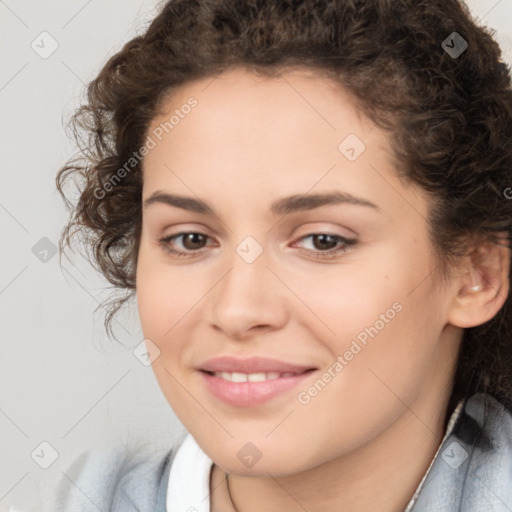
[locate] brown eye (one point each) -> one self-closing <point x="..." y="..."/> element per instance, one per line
<point x="193" y="241"/>
<point x="325" y="245"/>
<point x="324" y="242"/>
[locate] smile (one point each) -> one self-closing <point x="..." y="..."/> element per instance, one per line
<point x="250" y="389"/>
<point x="252" y="377"/>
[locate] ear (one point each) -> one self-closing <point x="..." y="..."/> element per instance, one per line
<point x="484" y="285"/>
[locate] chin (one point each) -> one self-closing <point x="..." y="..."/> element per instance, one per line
<point x="247" y="460"/>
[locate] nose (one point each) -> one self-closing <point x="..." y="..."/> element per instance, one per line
<point x="248" y="299"/>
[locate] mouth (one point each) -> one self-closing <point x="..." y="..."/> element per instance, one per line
<point x="241" y="389"/>
<point x="255" y="377"/>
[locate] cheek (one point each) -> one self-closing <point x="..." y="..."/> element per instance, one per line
<point x="381" y="313"/>
<point x="340" y="301"/>
<point x="164" y="294"/>
<point x="164" y="297"/>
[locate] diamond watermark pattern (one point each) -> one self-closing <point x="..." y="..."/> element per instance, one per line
<point x="249" y="249"/>
<point x="454" y="45"/>
<point x="249" y="454"/>
<point x="146" y="352"/>
<point x="44" y="455"/>
<point x="454" y="455"/>
<point x="351" y="147"/>
<point x="44" y="250"/>
<point x="44" y="45"/>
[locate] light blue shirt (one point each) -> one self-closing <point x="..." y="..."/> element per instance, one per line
<point x="471" y="472"/>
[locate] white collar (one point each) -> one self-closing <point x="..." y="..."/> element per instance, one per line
<point x="189" y="479"/>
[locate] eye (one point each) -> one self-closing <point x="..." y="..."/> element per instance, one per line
<point x="191" y="241"/>
<point x="323" y="241"/>
<point x="324" y="244"/>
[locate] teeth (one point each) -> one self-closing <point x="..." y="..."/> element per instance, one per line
<point x="251" y="377"/>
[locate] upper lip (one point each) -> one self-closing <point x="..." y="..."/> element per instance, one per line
<point x="251" y="365"/>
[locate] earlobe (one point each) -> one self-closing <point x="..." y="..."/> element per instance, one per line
<point x="483" y="288"/>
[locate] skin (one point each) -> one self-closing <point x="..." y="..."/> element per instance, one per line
<point x="250" y="141"/>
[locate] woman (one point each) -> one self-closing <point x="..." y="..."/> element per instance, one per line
<point x="309" y="200"/>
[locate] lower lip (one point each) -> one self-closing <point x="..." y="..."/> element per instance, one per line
<point x="246" y="394"/>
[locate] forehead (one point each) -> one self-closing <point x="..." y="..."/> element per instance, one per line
<point x="255" y="135"/>
<point x="303" y="92"/>
<point x="301" y="113"/>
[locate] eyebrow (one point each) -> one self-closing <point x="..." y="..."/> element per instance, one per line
<point x="282" y="206"/>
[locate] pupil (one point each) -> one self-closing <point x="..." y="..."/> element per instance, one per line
<point x="323" y="238"/>
<point x="193" y="238"/>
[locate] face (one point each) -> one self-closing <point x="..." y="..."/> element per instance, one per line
<point x="342" y="290"/>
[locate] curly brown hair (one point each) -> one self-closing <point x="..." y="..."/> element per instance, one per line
<point x="449" y="118"/>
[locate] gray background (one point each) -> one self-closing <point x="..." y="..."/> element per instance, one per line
<point x="63" y="382"/>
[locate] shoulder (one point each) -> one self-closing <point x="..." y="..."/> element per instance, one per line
<point x="487" y="424"/>
<point x="113" y="479"/>
<point x="473" y="468"/>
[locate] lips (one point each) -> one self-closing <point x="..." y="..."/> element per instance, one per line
<point x="229" y="364"/>
<point x="253" y="381"/>
<point x="248" y="394"/>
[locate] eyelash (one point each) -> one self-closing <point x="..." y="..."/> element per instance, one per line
<point x="347" y="244"/>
